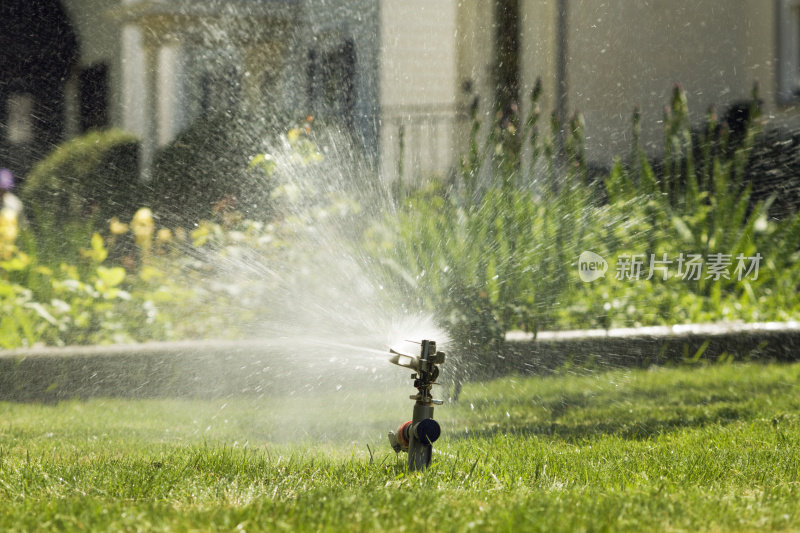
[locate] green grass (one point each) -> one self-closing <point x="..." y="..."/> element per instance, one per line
<point x="683" y="449"/>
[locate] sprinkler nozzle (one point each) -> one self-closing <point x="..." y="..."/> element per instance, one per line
<point x="417" y="436"/>
<point x="399" y="440"/>
<point x="426" y="431"/>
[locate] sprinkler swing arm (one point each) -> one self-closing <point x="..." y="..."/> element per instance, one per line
<point x="418" y="435"/>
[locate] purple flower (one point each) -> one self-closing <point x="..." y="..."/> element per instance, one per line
<point x="6" y="179"/>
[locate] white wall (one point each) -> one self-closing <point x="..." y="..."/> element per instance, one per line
<point x="418" y="86"/>
<point x="623" y="54"/>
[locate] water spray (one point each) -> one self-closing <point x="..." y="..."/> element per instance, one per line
<point x="418" y="435"/>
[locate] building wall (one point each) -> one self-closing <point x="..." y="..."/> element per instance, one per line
<point x="418" y="87"/>
<point x="625" y="54"/>
<point x="420" y="63"/>
<point x="99" y="41"/>
<point x="618" y="55"/>
<point x="762" y="56"/>
<point x="475" y="36"/>
<point x="760" y="53"/>
<point x="539" y="49"/>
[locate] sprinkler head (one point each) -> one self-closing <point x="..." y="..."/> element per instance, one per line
<point x="427" y="358"/>
<point x="418" y="435"/>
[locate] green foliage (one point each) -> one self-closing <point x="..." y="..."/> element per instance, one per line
<point x="703" y="209"/>
<point x="204" y="171"/>
<point x="91" y="177"/>
<point x="493" y="251"/>
<point x="74" y="192"/>
<point x="499" y="250"/>
<point x="133" y="281"/>
<point x="114" y="294"/>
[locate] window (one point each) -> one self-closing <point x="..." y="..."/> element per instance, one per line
<point x="19" y="110"/>
<point x="93" y="90"/>
<point x="219" y="91"/>
<point x="789" y="51"/>
<point x="332" y="83"/>
<point x="215" y="80"/>
<point x="313" y="79"/>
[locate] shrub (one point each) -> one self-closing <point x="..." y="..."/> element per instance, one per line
<point x="94" y="176"/>
<point x="96" y="300"/>
<point x="774" y="168"/>
<point x="205" y="170"/>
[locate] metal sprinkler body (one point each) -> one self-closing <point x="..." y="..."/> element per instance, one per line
<point x="418" y="435"/>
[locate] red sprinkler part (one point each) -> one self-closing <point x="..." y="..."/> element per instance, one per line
<point x="402" y="435"/>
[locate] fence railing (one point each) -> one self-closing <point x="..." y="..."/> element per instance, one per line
<point x="421" y="141"/>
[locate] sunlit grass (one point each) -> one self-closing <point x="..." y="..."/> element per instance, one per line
<point x="709" y="448"/>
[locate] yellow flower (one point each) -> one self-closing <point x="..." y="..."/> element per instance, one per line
<point x="9" y="229"/>
<point x="164" y="235"/>
<point x="293" y="134"/>
<point x="143" y="227"/>
<point x="201" y="234"/>
<point x="180" y="234"/>
<point x="117" y="227"/>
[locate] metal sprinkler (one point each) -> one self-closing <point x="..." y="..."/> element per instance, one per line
<point x="418" y="435"/>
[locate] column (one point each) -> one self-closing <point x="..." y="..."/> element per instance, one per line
<point x="171" y="112"/>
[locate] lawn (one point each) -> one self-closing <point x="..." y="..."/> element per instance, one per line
<point x="677" y="449"/>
